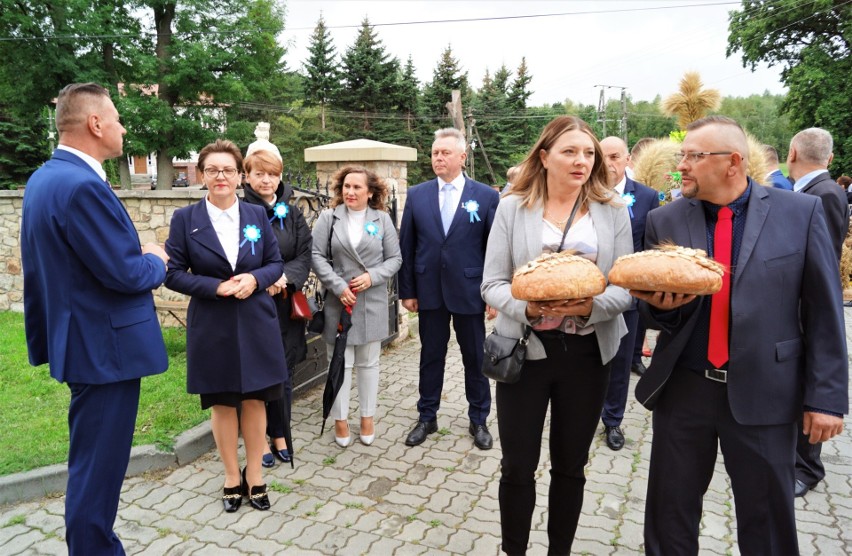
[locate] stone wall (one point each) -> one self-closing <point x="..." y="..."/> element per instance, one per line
<point x="151" y="212"/>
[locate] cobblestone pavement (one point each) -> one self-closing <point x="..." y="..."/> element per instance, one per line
<point x="438" y="498"/>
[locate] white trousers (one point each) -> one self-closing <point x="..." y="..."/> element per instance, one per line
<point x="366" y="359"/>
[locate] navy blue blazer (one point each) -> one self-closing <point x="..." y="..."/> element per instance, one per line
<point x="645" y="200"/>
<point x="787" y="335"/>
<point x="88" y="307"/>
<point x="232" y="345"/>
<point x="779" y="181"/>
<point x="445" y="269"/>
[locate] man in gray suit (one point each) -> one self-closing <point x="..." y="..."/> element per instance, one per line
<point x="808" y="160"/>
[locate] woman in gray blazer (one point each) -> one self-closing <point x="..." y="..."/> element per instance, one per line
<point x="569" y="353"/>
<point x="364" y="256"/>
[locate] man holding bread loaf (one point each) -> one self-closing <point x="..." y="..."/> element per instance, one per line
<point x="640" y="199"/>
<point x="740" y="367"/>
<point x="444" y="231"/>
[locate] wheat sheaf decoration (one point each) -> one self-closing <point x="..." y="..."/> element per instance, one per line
<point x="692" y="102"/>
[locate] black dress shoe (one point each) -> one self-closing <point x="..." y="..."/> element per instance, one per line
<point x="420" y="431"/>
<point x="268" y="461"/>
<point x="800" y="489"/>
<point x="481" y="437"/>
<point x="232" y="498"/>
<point x="638" y="368"/>
<point x="258" y="497"/>
<point x="614" y="438"/>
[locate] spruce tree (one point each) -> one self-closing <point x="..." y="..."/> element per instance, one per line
<point x="370" y="80"/>
<point x="322" y="82"/>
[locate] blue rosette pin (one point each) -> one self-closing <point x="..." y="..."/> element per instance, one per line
<point x="280" y="211"/>
<point x="372" y="229"/>
<point x="630" y="200"/>
<point x="472" y="207"/>
<point x="251" y="233"/>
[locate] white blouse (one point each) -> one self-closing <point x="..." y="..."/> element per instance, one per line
<point x="227" y="225"/>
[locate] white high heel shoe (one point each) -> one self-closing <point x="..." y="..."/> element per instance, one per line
<point x="367" y="439"/>
<point x="346" y="440"/>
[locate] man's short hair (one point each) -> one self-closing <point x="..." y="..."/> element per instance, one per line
<point x="814" y="145"/>
<point x="771" y="154"/>
<point x="639" y="146"/>
<point x="73" y="102"/>
<point x="461" y="141"/>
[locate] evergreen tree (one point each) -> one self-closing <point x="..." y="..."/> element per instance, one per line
<point x="323" y="74"/>
<point x="447" y="76"/>
<point x="496" y="128"/>
<point x="519" y="93"/>
<point x="370" y="80"/>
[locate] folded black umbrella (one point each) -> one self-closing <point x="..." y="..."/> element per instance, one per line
<point x="334" y="380"/>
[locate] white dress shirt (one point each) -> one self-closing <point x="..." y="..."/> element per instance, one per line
<point x="227" y="225"/>
<point x="94" y="164"/>
<point x="458" y="185"/>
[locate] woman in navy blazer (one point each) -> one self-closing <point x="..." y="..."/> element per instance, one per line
<point x="224" y="255"/>
<point x="568" y="356"/>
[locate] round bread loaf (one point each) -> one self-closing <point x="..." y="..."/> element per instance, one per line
<point x="671" y="269"/>
<point x="555" y="276"/>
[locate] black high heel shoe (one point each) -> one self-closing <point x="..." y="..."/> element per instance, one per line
<point x="232" y="498"/>
<point x="258" y="498"/>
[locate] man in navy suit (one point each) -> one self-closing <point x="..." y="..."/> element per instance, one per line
<point x="808" y="159"/>
<point x="640" y="199"/>
<point x="88" y="308"/>
<point x="443" y="235"/>
<point x="775" y="177"/>
<point x="737" y="369"/>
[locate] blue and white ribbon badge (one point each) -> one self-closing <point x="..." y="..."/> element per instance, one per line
<point x="250" y="233"/>
<point x="372" y="229"/>
<point x="630" y="200"/>
<point x="472" y="207"/>
<point x="280" y="211"/>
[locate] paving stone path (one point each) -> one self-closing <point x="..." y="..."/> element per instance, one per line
<point x="439" y="498"/>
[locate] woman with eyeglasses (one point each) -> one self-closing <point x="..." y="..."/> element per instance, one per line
<point x="224" y="255"/>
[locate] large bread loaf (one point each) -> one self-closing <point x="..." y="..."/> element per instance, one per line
<point x="555" y="276"/>
<point x="670" y="268"/>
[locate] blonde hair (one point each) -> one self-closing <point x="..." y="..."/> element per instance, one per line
<point x="531" y="183"/>
<point x="263" y="160"/>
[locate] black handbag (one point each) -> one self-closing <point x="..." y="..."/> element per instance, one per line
<point x="504" y="357"/>
<point x="317" y="324"/>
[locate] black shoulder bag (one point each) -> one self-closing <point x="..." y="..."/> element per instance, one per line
<point x="504" y="357"/>
<point x="317" y="323"/>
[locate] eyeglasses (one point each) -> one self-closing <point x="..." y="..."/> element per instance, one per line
<point x="694" y="157"/>
<point x="214" y="172"/>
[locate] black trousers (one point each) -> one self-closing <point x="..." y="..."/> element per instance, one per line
<point x="573" y="382"/>
<point x="809" y="467"/>
<point x="691" y="420"/>
<point x="619" y="378"/>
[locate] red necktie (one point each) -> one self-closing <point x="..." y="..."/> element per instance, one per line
<point x="720" y="305"/>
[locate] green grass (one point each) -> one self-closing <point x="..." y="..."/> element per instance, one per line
<point x="34" y="407"/>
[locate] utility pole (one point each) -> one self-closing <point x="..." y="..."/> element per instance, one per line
<point x="602" y="110"/>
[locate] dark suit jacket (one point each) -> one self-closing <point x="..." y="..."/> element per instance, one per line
<point x="835" y="205"/>
<point x="780" y="181"/>
<point x="88" y="306"/>
<point x="438" y="269"/>
<point x="788" y="341"/>
<point x="646" y="199"/>
<point x="232" y="345"/>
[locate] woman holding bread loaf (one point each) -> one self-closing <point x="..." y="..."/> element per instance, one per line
<point x="561" y="204"/>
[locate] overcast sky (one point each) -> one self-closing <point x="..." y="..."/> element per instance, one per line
<point x="642" y="48"/>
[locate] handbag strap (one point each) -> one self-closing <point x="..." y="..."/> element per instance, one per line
<point x="568" y="223"/>
<point x="328" y="251"/>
